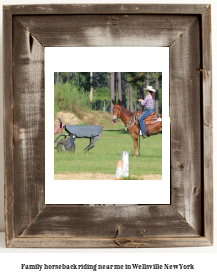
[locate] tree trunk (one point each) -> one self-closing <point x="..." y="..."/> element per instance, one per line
<point x="156" y="96"/>
<point x="131" y="98"/>
<point x="91" y="87"/>
<point x="112" y="91"/>
<point x="123" y="90"/>
<point x="57" y="77"/>
<point x="147" y="81"/>
<point x="147" y="84"/>
<point x="138" y="96"/>
<point x="119" y="86"/>
<point x="115" y="85"/>
<point x="141" y="92"/>
<point x="142" y="95"/>
<point x="128" y="96"/>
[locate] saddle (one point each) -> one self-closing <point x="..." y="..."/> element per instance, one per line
<point x="152" y="119"/>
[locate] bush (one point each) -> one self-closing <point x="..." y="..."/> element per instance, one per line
<point x="69" y="98"/>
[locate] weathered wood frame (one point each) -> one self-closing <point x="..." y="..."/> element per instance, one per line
<point x="186" y="29"/>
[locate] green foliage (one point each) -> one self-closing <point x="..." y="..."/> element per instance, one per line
<point x="72" y="94"/>
<point x="101" y="93"/>
<point x="70" y="98"/>
<point x="101" y="80"/>
<point x="78" y="83"/>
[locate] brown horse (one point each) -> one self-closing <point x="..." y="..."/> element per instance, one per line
<point x="153" y="123"/>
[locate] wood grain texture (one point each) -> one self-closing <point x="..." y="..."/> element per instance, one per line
<point x="106" y="9"/>
<point x="33" y="242"/>
<point x="207" y="66"/>
<point x="31" y="223"/>
<point x="185" y="111"/>
<point x="207" y="122"/>
<point x="107" y="30"/>
<point x="109" y="222"/>
<point x="208" y="182"/>
<point x="8" y="125"/>
<point x="29" y="141"/>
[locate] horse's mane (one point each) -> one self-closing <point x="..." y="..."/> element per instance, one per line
<point x="127" y="111"/>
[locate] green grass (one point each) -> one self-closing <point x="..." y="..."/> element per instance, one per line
<point x="131" y="178"/>
<point x="107" y="151"/>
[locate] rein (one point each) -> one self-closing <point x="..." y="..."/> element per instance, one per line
<point x="131" y="123"/>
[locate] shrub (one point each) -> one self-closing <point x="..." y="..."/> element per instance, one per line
<point x="69" y="98"/>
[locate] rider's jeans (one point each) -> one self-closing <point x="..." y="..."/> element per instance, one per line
<point x="144" y="115"/>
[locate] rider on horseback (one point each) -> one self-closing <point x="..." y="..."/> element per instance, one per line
<point x="148" y="102"/>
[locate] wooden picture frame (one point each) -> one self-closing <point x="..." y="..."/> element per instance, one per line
<point x="186" y="30"/>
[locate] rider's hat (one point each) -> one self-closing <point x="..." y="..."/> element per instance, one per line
<point x="149" y="88"/>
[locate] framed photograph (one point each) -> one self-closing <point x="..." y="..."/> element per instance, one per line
<point x="32" y="36"/>
<point x="149" y="171"/>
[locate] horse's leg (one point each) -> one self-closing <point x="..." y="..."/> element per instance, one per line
<point x="135" y="141"/>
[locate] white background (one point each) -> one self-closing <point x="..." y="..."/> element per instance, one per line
<point x="204" y="258"/>
<point x="98" y="59"/>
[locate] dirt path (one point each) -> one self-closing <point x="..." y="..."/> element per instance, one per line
<point x="67" y="119"/>
<point x="98" y="176"/>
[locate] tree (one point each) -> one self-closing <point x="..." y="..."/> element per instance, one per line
<point x="136" y="79"/>
<point x="91" y="86"/>
<point x="155" y="79"/>
<point x="57" y="79"/>
<point x="113" y="92"/>
<point x="128" y="96"/>
<point x="147" y="81"/>
<point x="156" y="95"/>
<point x="119" y="86"/>
<point x="123" y="90"/>
<point x="131" y="97"/>
<point x="138" y="97"/>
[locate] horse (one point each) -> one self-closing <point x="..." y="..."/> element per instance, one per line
<point x="153" y="123"/>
